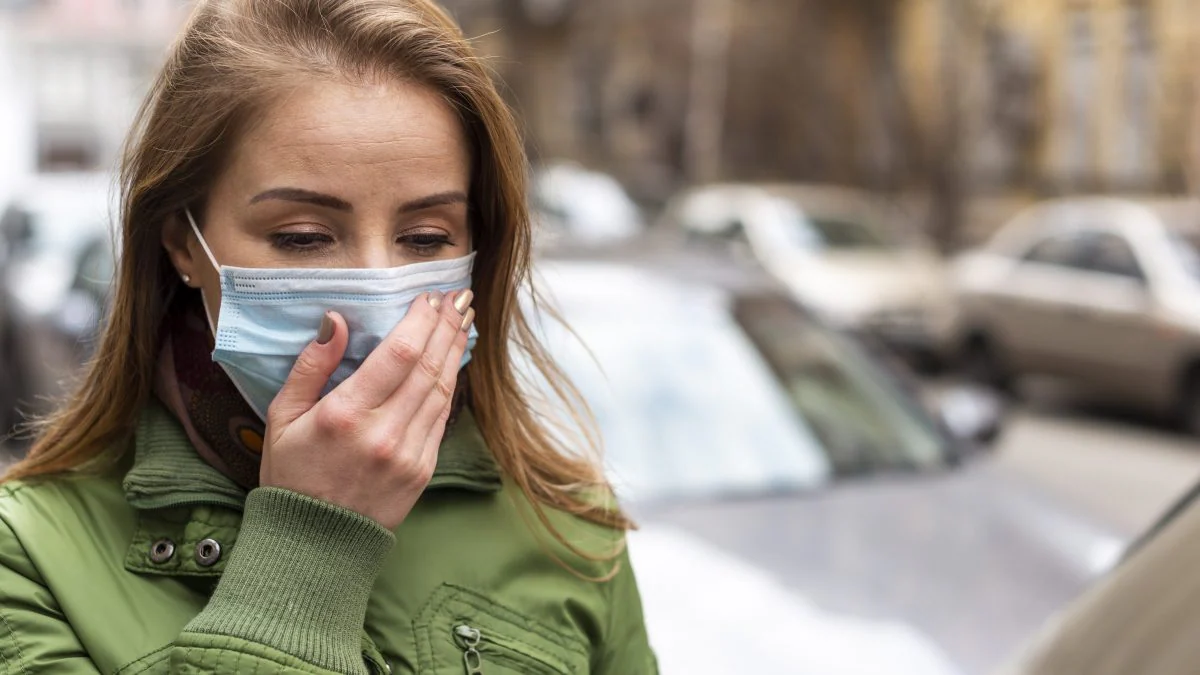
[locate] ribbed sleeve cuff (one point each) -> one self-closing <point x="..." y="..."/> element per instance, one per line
<point x="299" y="579"/>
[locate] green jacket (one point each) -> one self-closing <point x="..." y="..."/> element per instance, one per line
<point x="173" y="568"/>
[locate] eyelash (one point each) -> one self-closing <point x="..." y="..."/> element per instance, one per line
<point x="422" y="244"/>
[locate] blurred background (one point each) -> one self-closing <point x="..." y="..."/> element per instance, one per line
<point x="922" y="351"/>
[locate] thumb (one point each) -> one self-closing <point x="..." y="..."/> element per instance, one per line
<point x="311" y="372"/>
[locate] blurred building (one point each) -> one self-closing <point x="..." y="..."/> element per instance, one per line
<point x="965" y="100"/>
<point x="79" y="69"/>
<point x="675" y="91"/>
<point x="1059" y="95"/>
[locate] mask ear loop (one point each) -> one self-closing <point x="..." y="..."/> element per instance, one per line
<point x="212" y="325"/>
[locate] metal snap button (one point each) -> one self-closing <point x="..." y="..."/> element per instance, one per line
<point x="162" y="551"/>
<point x="208" y="552"/>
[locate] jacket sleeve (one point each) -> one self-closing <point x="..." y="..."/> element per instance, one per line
<point x="34" y="635"/>
<point x="292" y="600"/>
<point x="626" y="649"/>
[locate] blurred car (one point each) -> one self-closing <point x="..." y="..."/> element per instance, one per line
<point x="839" y="252"/>
<point x="1101" y="291"/>
<point x="52" y="229"/>
<point x="1141" y="618"/>
<point x="572" y="205"/>
<point x="800" y="511"/>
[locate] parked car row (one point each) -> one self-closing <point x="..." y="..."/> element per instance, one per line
<point x="1102" y="292"/>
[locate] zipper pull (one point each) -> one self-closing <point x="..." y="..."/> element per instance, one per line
<point x="469" y="638"/>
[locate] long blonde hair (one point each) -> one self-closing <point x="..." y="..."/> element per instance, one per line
<point x="231" y="58"/>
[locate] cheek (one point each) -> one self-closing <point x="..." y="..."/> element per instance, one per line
<point x="212" y="301"/>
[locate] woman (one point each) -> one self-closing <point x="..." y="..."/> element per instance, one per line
<point x="276" y="463"/>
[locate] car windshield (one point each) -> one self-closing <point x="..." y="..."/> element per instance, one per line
<point x="696" y="395"/>
<point x="1187" y="250"/>
<point x="824" y="229"/>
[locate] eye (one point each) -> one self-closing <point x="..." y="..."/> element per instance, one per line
<point x="425" y="243"/>
<point x="300" y="241"/>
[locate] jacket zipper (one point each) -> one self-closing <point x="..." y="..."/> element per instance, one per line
<point x="469" y="639"/>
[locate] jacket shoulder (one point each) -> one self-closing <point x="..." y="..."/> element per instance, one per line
<point x="57" y="496"/>
<point x="58" y="514"/>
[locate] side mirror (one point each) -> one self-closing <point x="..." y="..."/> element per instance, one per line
<point x="973" y="416"/>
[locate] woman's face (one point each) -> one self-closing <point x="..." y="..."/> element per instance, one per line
<point x="335" y="175"/>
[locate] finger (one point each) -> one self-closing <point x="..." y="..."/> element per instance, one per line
<point x="311" y="372"/>
<point x="428" y="378"/>
<point x="389" y="364"/>
<point x="436" y="404"/>
<point x="432" y="439"/>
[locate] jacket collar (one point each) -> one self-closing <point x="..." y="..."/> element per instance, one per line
<point x="167" y="472"/>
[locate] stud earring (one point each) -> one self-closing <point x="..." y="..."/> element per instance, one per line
<point x="187" y="279"/>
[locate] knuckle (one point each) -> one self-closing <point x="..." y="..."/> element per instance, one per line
<point x="381" y="449"/>
<point x="338" y="417"/>
<point x="444" y="387"/>
<point x="431" y="366"/>
<point x="402" y="350"/>
<point x="409" y="466"/>
<point x="452" y="319"/>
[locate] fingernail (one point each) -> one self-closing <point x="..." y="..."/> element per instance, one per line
<point x="325" y="334"/>
<point x="463" y="301"/>
<point x="468" y="318"/>
<point x="434" y="298"/>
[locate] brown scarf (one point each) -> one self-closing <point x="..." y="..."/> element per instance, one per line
<point x="223" y="428"/>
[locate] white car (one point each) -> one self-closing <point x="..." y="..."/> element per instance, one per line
<point x="800" y="511"/>
<point x="1101" y="292"/>
<point x="839" y="251"/>
<point x="574" y="205"/>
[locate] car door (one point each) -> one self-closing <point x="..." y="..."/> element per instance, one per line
<point x="1110" y="330"/>
<point x="1029" y="303"/>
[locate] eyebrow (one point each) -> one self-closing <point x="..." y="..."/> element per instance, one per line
<point x="338" y="204"/>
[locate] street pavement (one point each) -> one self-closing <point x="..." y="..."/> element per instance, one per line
<point x="1122" y="469"/>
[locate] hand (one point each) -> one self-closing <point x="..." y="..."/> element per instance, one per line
<point x="371" y="444"/>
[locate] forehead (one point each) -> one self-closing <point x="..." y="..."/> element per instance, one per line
<point x="353" y="134"/>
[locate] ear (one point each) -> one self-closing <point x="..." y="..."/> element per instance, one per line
<point x="176" y="236"/>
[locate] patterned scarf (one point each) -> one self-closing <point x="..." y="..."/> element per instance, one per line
<point x="224" y="429"/>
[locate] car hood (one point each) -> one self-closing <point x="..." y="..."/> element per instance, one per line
<point x="718" y="614"/>
<point x="851" y="286"/>
<point x="971" y="561"/>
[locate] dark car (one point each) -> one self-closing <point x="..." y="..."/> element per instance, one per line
<point x="802" y="511"/>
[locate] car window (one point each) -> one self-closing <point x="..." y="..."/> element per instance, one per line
<point x="751" y="396"/>
<point x="864" y="420"/>
<point x="1060" y="250"/>
<point x="815" y="230"/>
<point x="686" y="405"/>
<point x="1109" y="253"/>
<point x="1186" y="246"/>
<point x="96" y="269"/>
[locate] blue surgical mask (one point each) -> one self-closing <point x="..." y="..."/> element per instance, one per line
<point x="268" y="316"/>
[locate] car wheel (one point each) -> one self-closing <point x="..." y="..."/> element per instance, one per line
<point x="981" y="363"/>
<point x="1189" y="404"/>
